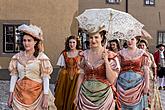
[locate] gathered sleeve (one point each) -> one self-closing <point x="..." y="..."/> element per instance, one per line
<point x="13" y="65"/>
<point x="114" y="61"/>
<point x="145" y="66"/>
<point x="146" y="60"/>
<point x="61" y="61"/>
<point x="46" y="67"/>
<point x="81" y="64"/>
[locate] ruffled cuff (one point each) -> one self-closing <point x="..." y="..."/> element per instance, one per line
<point x="46" y="68"/>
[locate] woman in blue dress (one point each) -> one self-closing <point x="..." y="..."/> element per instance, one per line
<point x="133" y="81"/>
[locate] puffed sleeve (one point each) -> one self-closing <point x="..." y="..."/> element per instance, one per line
<point x="81" y="64"/>
<point x="114" y="61"/>
<point x="13" y="65"/>
<point x="145" y="66"/>
<point x="46" y="67"/>
<point x="61" y="61"/>
<point x="146" y="60"/>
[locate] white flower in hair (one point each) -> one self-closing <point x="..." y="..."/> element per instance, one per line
<point x="33" y="30"/>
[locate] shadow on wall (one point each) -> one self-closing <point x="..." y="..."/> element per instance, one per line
<point x="74" y="25"/>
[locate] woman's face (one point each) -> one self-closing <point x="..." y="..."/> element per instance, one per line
<point x="113" y="45"/>
<point x="72" y="44"/>
<point x="95" y="40"/>
<point x="143" y="46"/>
<point x="131" y="43"/>
<point x="28" y="42"/>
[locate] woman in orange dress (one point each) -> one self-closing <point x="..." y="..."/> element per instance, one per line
<point x="30" y="71"/>
<point x="68" y="74"/>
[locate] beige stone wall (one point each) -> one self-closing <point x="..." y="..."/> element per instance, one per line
<point x="86" y="4"/>
<point x="55" y="17"/>
<point x="148" y="15"/>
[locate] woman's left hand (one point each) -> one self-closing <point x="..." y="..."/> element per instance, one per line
<point x="146" y="90"/>
<point x="105" y="55"/>
<point x="45" y="102"/>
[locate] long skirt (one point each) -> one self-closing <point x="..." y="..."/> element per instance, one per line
<point x="95" y="95"/>
<point x="28" y="95"/>
<point x="65" y="90"/>
<point x="130" y="86"/>
<point x="154" y="95"/>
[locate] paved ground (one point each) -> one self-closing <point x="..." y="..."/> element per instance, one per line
<point x="4" y="88"/>
<point x="162" y="93"/>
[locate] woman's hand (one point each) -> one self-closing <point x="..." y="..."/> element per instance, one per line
<point x="146" y="90"/>
<point x="10" y="100"/>
<point x="105" y="55"/>
<point x="45" y="102"/>
<point x="155" y="78"/>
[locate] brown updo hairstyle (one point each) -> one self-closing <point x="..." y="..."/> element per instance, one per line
<point x="143" y="41"/>
<point x="117" y="43"/>
<point x="103" y="35"/>
<point x="67" y="48"/>
<point x="36" y="46"/>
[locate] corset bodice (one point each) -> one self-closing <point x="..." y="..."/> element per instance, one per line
<point x="98" y="72"/>
<point x="134" y="65"/>
<point x="71" y="62"/>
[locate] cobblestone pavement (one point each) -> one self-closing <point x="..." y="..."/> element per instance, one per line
<point x="4" y="88"/>
<point x="162" y="94"/>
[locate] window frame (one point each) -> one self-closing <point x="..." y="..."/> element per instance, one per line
<point x="6" y="34"/>
<point x="115" y="2"/>
<point x="158" y="37"/>
<point x="149" y="4"/>
<point x="2" y="35"/>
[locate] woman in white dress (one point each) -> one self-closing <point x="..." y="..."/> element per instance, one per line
<point x="30" y="71"/>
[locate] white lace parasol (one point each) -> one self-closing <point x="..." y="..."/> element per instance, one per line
<point x="118" y="24"/>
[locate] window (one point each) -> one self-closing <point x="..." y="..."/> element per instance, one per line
<point x="12" y="40"/>
<point x="161" y="37"/>
<point x="149" y="2"/>
<point x="10" y="37"/>
<point x="84" y="39"/>
<point x="113" y="1"/>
